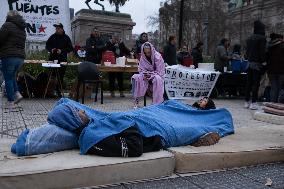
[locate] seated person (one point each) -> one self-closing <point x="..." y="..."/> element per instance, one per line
<point x="127" y="134"/>
<point x="151" y="75"/>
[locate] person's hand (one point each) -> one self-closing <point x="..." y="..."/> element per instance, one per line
<point x="93" y="47"/>
<point x="116" y="45"/>
<point x="59" y="51"/>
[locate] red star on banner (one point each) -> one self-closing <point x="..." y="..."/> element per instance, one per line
<point x="41" y="29"/>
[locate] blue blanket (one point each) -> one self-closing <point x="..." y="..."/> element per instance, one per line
<point x="178" y="124"/>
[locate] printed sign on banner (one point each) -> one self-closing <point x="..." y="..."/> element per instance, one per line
<point x="40" y="16"/>
<point x="185" y="83"/>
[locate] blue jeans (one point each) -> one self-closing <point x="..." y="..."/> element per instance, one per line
<point x="10" y="66"/>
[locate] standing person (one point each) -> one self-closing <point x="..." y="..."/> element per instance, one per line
<point x="256" y="55"/>
<point x="222" y="55"/>
<point x="12" y="54"/>
<point x="119" y="49"/>
<point x="170" y="51"/>
<point x="151" y="75"/>
<point x="59" y="45"/>
<point x="184" y="56"/>
<point x="142" y="39"/>
<point x="197" y="54"/>
<point x="95" y="46"/>
<point x="275" y="65"/>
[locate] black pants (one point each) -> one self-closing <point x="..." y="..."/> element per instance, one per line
<point x="115" y="75"/>
<point x="128" y="143"/>
<point x="61" y="72"/>
<point x="253" y="82"/>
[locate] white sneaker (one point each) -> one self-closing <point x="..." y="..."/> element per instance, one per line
<point x="253" y="106"/>
<point x="247" y="104"/>
<point x="18" y="97"/>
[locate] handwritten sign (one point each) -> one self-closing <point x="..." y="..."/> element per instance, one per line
<point x="185" y="83"/>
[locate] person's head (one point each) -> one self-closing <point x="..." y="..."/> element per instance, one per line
<point x="184" y="48"/>
<point x="67" y="117"/>
<point x="59" y="29"/>
<point x="147" y="50"/>
<point x="237" y="49"/>
<point x="172" y="40"/>
<point x="144" y="37"/>
<point x="259" y="27"/>
<point x="115" y="38"/>
<point x="95" y="32"/>
<point x="225" y="42"/>
<point x="204" y="103"/>
<point x="16" y="18"/>
<point x="199" y="45"/>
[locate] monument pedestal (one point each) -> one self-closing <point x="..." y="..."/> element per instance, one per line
<point x="108" y="23"/>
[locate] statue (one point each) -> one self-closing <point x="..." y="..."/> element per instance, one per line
<point x="96" y="2"/>
<point x="117" y="3"/>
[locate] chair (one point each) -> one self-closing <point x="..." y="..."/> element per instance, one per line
<point x="88" y="74"/>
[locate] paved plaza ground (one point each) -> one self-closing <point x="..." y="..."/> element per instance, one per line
<point x="33" y="112"/>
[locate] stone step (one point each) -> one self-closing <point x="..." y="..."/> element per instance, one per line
<point x="68" y="169"/>
<point x="248" y="146"/>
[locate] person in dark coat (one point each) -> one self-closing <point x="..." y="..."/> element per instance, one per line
<point x="275" y="65"/>
<point x="197" y="54"/>
<point x="142" y="39"/>
<point x="59" y="45"/>
<point x="12" y="54"/>
<point x="222" y="57"/>
<point x="170" y="51"/>
<point x="182" y="55"/>
<point x="256" y="55"/>
<point x="119" y="49"/>
<point x="94" y="47"/>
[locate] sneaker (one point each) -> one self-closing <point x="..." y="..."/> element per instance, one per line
<point x="112" y="94"/>
<point x="247" y="104"/>
<point x="122" y="95"/>
<point x="253" y="106"/>
<point x="18" y="97"/>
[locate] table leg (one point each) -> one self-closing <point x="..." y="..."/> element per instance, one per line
<point x="49" y="78"/>
<point x="27" y="87"/>
<point x="59" y="81"/>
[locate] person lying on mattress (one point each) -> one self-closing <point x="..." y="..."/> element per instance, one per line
<point x="126" y="134"/>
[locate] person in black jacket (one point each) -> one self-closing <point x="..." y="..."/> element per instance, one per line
<point x="119" y="49"/>
<point x="59" y="45"/>
<point x="275" y="65"/>
<point x="197" y="54"/>
<point x="94" y="47"/>
<point x="256" y="55"/>
<point x="170" y="51"/>
<point x="12" y="53"/>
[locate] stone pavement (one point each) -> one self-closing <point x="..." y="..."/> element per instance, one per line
<point x="255" y="142"/>
<point x="32" y="113"/>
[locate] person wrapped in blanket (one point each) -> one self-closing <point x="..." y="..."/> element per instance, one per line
<point x="71" y="125"/>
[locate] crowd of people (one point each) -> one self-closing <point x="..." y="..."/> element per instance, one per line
<point x="262" y="56"/>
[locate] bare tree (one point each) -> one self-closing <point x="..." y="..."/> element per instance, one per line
<point x="117" y="3"/>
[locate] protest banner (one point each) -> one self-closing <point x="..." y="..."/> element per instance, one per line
<point x="40" y="16"/>
<point x="186" y="83"/>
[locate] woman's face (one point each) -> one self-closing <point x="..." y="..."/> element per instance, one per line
<point x="203" y="102"/>
<point x="83" y="116"/>
<point x="147" y="52"/>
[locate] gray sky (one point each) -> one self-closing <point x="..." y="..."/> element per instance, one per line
<point x="139" y="10"/>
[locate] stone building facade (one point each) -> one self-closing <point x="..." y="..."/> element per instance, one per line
<point x="108" y="23"/>
<point x="240" y="20"/>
